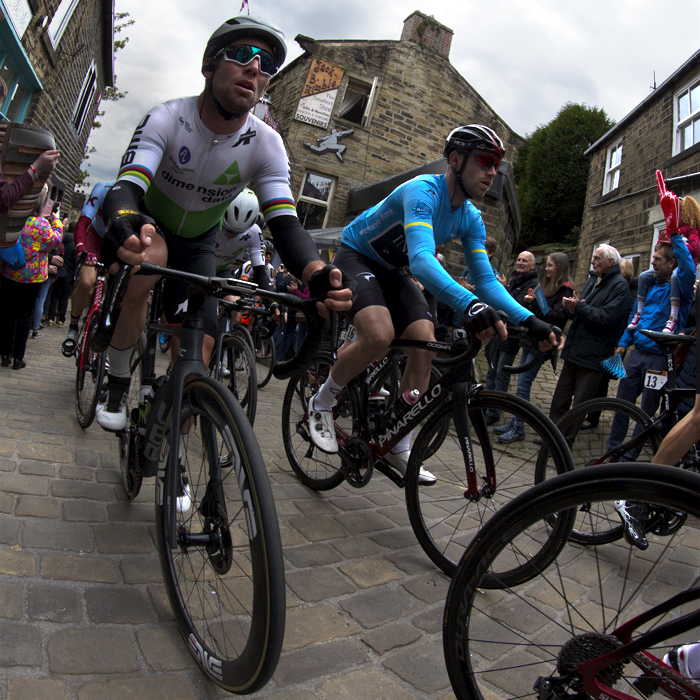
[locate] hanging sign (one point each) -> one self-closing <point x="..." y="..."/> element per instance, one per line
<point x="319" y="93"/>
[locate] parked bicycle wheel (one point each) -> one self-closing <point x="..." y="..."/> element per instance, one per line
<point x="589" y="446"/>
<point x="225" y="574"/>
<point x="534" y="640"/>
<point x="443" y="518"/>
<point x="315" y="469"/>
<point x="129" y="460"/>
<point x="90" y="373"/>
<point x="265" y="358"/>
<point x="237" y="372"/>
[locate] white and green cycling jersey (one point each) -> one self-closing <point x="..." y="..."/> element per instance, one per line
<point x="239" y="247"/>
<point x="190" y="174"/>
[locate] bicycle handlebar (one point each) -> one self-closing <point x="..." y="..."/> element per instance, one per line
<point x="520" y="333"/>
<point x="217" y="287"/>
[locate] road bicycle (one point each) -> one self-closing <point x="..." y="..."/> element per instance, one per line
<point x="232" y="361"/>
<point x="597" y="622"/>
<point x="644" y="435"/>
<point x="90" y="365"/>
<point x="217" y="532"/>
<point x="477" y="470"/>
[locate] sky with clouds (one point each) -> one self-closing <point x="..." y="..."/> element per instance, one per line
<point x="526" y="58"/>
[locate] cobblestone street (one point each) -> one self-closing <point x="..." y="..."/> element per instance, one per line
<point x="84" y="613"/>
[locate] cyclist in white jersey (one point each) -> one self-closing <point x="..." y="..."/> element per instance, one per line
<point x="397" y="238"/>
<point x="187" y="160"/>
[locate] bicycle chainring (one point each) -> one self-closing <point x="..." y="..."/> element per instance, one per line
<point x="664" y="521"/>
<point x="358" y="469"/>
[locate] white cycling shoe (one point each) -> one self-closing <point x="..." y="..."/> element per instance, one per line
<point x="400" y="463"/>
<point x="321" y="429"/>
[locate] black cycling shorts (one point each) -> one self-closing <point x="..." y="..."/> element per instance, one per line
<point x="194" y="255"/>
<point x="378" y="286"/>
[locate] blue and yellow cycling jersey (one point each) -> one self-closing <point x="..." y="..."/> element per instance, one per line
<point x="404" y="229"/>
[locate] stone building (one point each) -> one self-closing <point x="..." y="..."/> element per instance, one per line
<point x="359" y="117"/>
<point x="56" y="57"/>
<point x="622" y="203"/>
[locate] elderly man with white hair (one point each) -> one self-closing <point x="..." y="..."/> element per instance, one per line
<point x="599" y="317"/>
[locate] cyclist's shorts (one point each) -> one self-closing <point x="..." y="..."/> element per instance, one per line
<point x="194" y="255"/>
<point x="378" y="286"/>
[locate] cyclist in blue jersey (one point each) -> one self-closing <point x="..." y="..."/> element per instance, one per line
<point x="187" y="160"/>
<point x="397" y="238"/>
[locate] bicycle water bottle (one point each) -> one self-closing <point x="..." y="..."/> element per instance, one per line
<point x="407" y="401"/>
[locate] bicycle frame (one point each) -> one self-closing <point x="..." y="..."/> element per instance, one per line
<point x="95" y="308"/>
<point x="457" y="382"/>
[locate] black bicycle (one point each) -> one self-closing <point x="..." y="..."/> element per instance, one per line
<point x="597" y="622"/>
<point x="216" y="526"/>
<point x="643" y="437"/>
<point x="477" y="469"/>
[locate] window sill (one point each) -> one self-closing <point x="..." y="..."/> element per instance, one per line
<point x="682" y="155"/>
<point x="609" y="195"/>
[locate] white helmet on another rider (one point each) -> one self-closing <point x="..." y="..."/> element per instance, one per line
<point x="242" y="213"/>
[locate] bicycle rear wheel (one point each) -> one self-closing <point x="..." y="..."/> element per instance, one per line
<point x="315" y="469"/>
<point x="90" y="372"/>
<point x="444" y="519"/>
<point x="265" y="358"/>
<point x="502" y="644"/>
<point x="588" y="448"/>
<point x="236" y="371"/>
<point x="225" y="577"/>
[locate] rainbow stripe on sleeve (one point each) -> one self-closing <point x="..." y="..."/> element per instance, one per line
<point x="279" y="206"/>
<point x="143" y="175"/>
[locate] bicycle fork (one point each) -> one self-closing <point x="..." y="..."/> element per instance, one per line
<point x="462" y="419"/>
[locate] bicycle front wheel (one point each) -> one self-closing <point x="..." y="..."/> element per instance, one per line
<point x="534" y="640"/>
<point x="236" y="371"/>
<point x="265" y="358"/>
<point x="90" y="373"/>
<point x="589" y="447"/>
<point x="225" y="575"/>
<point x="444" y="517"/>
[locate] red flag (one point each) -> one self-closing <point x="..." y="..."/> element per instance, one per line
<point x="244" y="4"/>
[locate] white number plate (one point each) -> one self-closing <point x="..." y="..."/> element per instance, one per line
<point x="655" y="378"/>
<point x="349" y="334"/>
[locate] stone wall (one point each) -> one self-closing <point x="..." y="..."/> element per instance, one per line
<point x="626" y="216"/>
<point x="62" y="74"/>
<point x="421" y="97"/>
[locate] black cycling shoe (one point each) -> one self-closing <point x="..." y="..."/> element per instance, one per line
<point x="634" y="516"/>
<point x="68" y="347"/>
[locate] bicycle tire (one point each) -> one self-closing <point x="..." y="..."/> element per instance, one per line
<point x="501" y="645"/>
<point x="90" y="372"/>
<point x="442" y="518"/>
<point x="265" y="358"/>
<point x="229" y="600"/>
<point x="316" y="469"/>
<point x="129" y="458"/>
<point x="587" y="446"/>
<point x="237" y="372"/>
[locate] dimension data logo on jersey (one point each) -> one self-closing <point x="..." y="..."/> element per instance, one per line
<point x="230" y="176"/>
<point x="184" y="155"/>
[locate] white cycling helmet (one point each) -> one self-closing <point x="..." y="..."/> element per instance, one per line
<point x="242" y="212"/>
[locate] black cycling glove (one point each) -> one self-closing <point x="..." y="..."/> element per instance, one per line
<point x="125" y="223"/>
<point x="479" y="317"/>
<point x="320" y="282"/>
<point x="537" y="328"/>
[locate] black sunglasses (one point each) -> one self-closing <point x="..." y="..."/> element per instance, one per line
<point x="243" y="54"/>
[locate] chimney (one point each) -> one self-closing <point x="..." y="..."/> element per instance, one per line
<point x="427" y="33"/>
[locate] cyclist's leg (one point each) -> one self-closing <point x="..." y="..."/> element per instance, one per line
<point x="111" y="411"/>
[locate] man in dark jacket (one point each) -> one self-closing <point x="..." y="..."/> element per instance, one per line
<point x="599" y="317"/>
<point x="521" y="280"/>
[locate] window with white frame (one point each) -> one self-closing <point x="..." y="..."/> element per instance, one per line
<point x="60" y="20"/>
<point x="687" y="116"/>
<point x="612" y="168"/>
<point x="358" y="101"/>
<point x="635" y="260"/>
<point x="314" y="200"/>
<point x="87" y="94"/>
